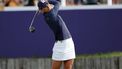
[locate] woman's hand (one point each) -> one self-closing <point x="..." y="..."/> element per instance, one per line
<point x="46" y="9"/>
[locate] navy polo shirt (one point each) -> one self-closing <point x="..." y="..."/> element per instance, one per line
<point x="56" y="23"/>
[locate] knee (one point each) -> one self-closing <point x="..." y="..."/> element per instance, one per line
<point x="68" y="65"/>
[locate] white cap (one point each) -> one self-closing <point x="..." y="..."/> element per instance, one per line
<point x="42" y="1"/>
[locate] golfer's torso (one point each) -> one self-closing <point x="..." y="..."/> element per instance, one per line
<point x="57" y="25"/>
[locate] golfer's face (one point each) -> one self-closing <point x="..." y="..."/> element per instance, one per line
<point x="45" y="10"/>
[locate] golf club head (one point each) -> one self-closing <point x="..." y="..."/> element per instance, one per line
<point x="31" y="29"/>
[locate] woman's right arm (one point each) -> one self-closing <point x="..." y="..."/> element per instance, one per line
<point x="56" y="5"/>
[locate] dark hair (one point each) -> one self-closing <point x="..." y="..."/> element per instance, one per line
<point x="42" y="5"/>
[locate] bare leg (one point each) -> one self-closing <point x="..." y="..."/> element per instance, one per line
<point x="68" y="64"/>
<point x="56" y="64"/>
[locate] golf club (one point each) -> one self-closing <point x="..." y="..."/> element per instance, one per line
<point x="31" y="27"/>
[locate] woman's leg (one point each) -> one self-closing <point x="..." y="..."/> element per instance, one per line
<point x="68" y="64"/>
<point x="56" y="64"/>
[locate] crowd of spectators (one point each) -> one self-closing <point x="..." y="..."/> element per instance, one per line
<point x="92" y="2"/>
<point x="117" y="1"/>
<point x="13" y="3"/>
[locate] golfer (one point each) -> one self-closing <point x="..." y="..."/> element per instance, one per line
<point x="63" y="50"/>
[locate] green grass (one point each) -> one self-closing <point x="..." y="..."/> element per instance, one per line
<point x="100" y="55"/>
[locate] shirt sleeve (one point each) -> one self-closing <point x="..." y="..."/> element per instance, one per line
<point x="56" y="6"/>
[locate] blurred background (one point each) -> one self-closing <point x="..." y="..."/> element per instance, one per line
<point x="14" y="3"/>
<point x="96" y="32"/>
<point x="23" y="3"/>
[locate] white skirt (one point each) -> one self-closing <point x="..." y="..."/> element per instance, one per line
<point x="63" y="50"/>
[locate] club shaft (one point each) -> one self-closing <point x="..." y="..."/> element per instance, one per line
<point x="32" y="21"/>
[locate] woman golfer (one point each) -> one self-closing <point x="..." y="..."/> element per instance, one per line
<point x="63" y="50"/>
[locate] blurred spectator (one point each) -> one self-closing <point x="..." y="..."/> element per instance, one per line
<point x="76" y="2"/>
<point x="114" y="1"/>
<point x="120" y="1"/>
<point x="69" y="2"/>
<point x="31" y="3"/>
<point x="1" y="5"/>
<point x="13" y="3"/>
<point x="91" y="2"/>
<point x="117" y="1"/>
<point x="102" y="1"/>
